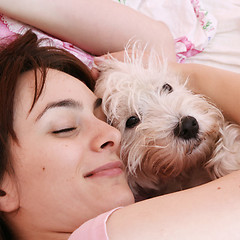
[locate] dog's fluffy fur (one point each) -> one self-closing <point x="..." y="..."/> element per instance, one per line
<point x="154" y="112"/>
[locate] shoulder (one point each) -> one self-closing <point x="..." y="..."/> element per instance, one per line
<point x="93" y="229"/>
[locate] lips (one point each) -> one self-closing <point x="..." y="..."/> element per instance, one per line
<point x="109" y="169"/>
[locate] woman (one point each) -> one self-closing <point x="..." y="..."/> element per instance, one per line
<point x="60" y="165"/>
<point x="60" y="155"/>
<point x="58" y="203"/>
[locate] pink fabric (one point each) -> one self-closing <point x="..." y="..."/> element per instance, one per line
<point x="8" y="27"/>
<point x="190" y="23"/>
<point x="186" y="48"/>
<point x="94" y="229"/>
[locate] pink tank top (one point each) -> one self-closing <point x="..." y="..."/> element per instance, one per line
<point x="94" y="229"/>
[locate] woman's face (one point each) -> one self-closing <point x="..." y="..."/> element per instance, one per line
<point x="66" y="163"/>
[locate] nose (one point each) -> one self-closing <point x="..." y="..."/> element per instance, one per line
<point x="187" y="128"/>
<point x="105" y="137"/>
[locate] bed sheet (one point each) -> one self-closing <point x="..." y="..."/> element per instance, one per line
<point x="9" y="26"/>
<point x="205" y="31"/>
<point x="224" y="49"/>
<point x="221" y="49"/>
<point x="191" y="25"/>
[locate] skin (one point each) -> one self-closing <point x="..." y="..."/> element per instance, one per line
<point x="221" y="86"/>
<point x="80" y="21"/>
<point x="207" y="212"/>
<point x="210" y="211"/>
<point x="52" y="165"/>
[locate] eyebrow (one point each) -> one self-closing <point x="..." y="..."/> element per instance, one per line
<point x="68" y="103"/>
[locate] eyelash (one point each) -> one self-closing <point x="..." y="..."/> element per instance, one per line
<point x="64" y="130"/>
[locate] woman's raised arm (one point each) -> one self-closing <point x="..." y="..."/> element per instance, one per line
<point x="95" y="26"/>
<point x="221" y="86"/>
<point x="210" y="211"/>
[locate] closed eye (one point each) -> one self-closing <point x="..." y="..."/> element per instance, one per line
<point x="64" y="130"/>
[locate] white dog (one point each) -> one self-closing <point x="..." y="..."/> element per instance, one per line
<point x="172" y="139"/>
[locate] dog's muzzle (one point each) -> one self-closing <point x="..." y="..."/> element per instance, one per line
<point x="187" y="128"/>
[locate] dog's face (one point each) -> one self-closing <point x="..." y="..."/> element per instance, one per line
<point x="166" y="129"/>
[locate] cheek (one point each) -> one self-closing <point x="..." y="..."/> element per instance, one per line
<point x="53" y="168"/>
<point x="58" y="160"/>
<point x="61" y="156"/>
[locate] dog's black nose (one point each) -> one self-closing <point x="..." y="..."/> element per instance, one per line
<point x="187" y="128"/>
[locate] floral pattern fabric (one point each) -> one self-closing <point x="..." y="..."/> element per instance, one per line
<point x="8" y="27"/>
<point x="191" y="24"/>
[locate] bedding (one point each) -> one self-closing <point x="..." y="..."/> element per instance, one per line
<point x="224" y="49"/>
<point x="191" y="25"/>
<point x="205" y="32"/>
<point x="221" y="20"/>
<point x="8" y="27"/>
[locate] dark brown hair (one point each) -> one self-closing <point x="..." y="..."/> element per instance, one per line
<point x="21" y="55"/>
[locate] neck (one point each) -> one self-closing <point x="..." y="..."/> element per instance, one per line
<point x="25" y="230"/>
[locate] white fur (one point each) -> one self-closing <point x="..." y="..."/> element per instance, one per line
<point x="156" y="160"/>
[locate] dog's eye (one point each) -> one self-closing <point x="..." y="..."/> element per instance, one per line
<point x="132" y="121"/>
<point x="167" y="88"/>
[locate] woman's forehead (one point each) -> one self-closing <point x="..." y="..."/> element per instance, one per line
<point x="58" y="86"/>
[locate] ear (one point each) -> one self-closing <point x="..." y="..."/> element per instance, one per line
<point x="9" y="198"/>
